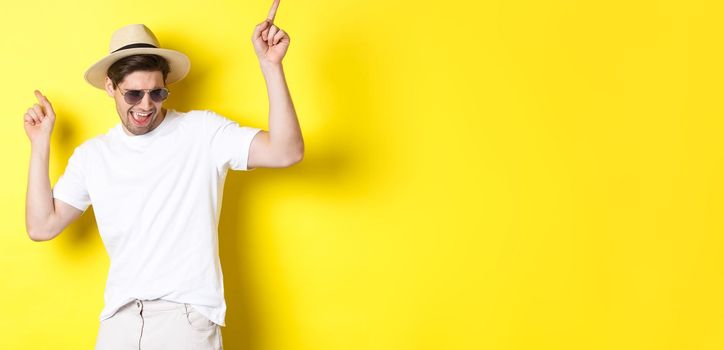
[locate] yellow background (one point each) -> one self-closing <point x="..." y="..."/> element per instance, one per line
<point x="478" y="175"/>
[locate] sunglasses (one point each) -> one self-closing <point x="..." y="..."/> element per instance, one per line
<point x="133" y="97"/>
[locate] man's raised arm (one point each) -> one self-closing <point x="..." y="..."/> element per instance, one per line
<point x="45" y="217"/>
<point x="282" y="145"/>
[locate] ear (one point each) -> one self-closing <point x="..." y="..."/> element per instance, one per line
<point x="109" y="87"/>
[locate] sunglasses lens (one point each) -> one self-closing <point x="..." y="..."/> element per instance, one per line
<point x="159" y="95"/>
<point x="133" y="96"/>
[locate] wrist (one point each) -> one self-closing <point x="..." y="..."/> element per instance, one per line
<point x="40" y="144"/>
<point x="270" y="67"/>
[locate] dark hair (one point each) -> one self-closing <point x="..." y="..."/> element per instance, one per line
<point x="127" y="65"/>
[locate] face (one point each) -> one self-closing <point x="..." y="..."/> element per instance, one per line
<point x="144" y="116"/>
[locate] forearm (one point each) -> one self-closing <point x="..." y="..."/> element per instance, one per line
<point x="284" y="131"/>
<point x="39" y="207"/>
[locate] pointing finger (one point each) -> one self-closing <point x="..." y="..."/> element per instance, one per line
<point x="44" y="101"/>
<point x="273" y="11"/>
<point x="39" y="96"/>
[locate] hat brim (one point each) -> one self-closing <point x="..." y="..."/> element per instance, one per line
<point x="178" y="63"/>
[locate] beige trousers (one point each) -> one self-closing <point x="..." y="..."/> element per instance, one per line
<point x="158" y="324"/>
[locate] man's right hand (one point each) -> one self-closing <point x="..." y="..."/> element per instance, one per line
<point x="39" y="119"/>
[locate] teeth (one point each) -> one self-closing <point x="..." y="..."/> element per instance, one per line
<point x="141" y="115"/>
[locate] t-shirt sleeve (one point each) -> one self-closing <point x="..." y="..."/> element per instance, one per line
<point x="230" y="142"/>
<point x="71" y="186"/>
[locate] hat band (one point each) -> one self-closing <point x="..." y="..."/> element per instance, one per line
<point x="134" y="46"/>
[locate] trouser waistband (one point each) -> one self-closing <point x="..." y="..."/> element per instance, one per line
<point x="154" y="305"/>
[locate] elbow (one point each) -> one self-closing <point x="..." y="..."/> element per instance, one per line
<point x="38" y="236"/>
<point x="296" y="158"/>
<point x="289" y="155"/>
<point x="293" y="157"/>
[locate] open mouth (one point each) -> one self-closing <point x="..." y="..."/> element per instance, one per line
<point x="141" y="118"/>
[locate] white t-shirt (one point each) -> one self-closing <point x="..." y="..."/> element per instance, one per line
<point x="157" y="199"/>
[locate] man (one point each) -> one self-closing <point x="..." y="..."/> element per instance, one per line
<point x="155" y="182"/>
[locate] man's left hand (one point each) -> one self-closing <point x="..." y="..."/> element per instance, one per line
<point x="270" y="42"/>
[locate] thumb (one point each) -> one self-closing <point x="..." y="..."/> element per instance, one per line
<point x="259" y="28"/>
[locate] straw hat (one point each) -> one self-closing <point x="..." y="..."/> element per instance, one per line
<point x="137" y="39"/>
